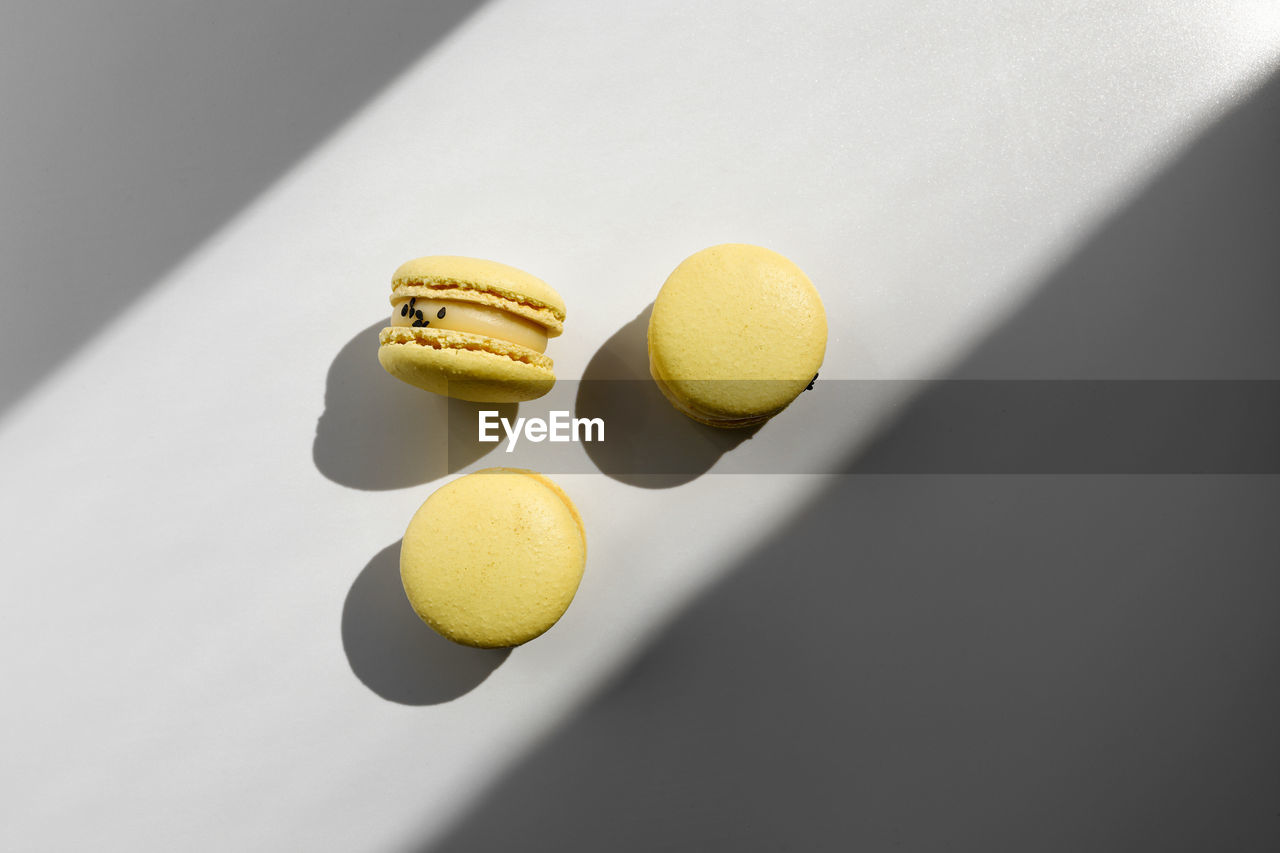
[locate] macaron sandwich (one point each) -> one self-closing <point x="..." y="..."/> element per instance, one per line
<point x="471" y="329"/>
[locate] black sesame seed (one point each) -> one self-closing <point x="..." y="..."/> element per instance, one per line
<point x="440" y="314"/>
<point x="404" y="310"/>
<point x="811" y="381"/>
<point x="418" y="314"/>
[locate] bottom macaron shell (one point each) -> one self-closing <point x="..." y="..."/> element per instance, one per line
<point x="465" y="374"/>
<point x="494" y="558"/>
<point x="736" y="333"/>
<point x="688" y="404"/>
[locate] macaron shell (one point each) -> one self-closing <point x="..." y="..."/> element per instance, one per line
<point x="493" y="559"/>
<point x="464" y="366"/>
<point x="434" y="273"/>
<point x="726" y="420"/>
<point x="736" y="333"/>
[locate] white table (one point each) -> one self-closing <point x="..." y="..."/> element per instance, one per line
<point x="200" y="499"/>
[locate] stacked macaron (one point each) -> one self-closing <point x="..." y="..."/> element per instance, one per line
<point x="737" y="332"/>
<point x="471" y="329"/>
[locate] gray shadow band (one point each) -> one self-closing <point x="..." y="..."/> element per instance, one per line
<point x="135" y="130"/>
<point x="942" y="663"/>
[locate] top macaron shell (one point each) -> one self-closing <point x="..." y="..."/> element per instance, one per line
<point x="464" y="365"/>
<point x="737" y="332"/>
<point x="493" y="558"/>
<point x="483" y="282"/>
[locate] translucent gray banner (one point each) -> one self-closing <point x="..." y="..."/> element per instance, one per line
<point x="626" y="428"/>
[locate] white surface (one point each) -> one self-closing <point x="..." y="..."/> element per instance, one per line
<point x="176" y="565"/>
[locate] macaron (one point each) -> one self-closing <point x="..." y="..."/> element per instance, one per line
<point x="471" y="329"/>
<point x="494" y="558"/>
<point x="737" y="332"/>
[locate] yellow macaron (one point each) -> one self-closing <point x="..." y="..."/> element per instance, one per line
<point x="471" y="329"/>
<point x="493" y="558"/>
<point x="736" y="333"/>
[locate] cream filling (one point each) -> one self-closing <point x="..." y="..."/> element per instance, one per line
<point x="468" y="317"/>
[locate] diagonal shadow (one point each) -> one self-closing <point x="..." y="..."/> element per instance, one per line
<point x="378" y="433"/>
<point x="661" y="447"/>
<point x="136" y="129"/>
<point x="395" y="653"/>
<point x="983" y="662"/>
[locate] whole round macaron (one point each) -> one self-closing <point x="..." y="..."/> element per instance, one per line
<point x="737" y="332"/>
<point x="471" y="329"/>
<point x="493" y="558"/>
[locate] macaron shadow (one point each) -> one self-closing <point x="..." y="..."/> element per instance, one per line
<point x="377" y="433"/>
<point x="394" y="653"/>
<point x="649" y="443"/>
